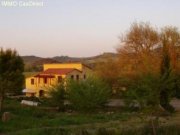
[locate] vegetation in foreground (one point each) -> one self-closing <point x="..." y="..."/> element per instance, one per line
<point x="24" y="117"/>
<point x="37" y="121"/>
<point x="89" y="94"/>
<point x="11" y="73"/>
<point x="166" y="130"/>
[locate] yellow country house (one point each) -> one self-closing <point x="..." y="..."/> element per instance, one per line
<point x="52" y="74"/>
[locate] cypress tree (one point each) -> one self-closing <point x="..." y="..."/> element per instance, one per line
<point x="166" y="80"/>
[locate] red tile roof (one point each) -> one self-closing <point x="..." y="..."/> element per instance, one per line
<point x="58" y="71"/>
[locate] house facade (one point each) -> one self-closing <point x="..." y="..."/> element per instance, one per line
<point x="52" y="74"/>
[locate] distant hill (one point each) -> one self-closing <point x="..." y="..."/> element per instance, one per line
<point x="84" y="59"/>
<point x="66" y="59"/>
<point x="30" y="59"/>
<point x="35" y="63"/>
<point x="42" y="61"/>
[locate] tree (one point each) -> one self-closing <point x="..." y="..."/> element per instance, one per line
<point x="143" y="92"/>
<point x="135" y="52"/>
<point x="108" y="72"/>
<point x="57" y="96"/>
<point x="171" y="39"/>
<point x="167" y="82"/>
<point x="171" y="36"/>
<point x="89" y="94"/>
<point x="145" y="50"/>
<point x="11" y="73"/>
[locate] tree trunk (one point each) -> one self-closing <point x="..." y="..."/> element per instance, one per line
<point x="153" y="127"/>
<point x="1" y="103"/>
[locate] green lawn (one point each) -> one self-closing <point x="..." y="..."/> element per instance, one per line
<point x="32" y="117"/>
<point x="34" y="121"/>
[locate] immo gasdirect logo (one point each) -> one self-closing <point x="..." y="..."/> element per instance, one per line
<point x="21" y="3"/>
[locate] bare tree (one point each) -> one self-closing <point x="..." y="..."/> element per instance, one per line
<point x="135" y="53"/>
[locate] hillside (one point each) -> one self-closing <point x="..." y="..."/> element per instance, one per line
<point x="30" y="59"/>
<point x="34" y="63"/>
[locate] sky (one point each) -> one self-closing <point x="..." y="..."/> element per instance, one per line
<point x="79" y="28"/>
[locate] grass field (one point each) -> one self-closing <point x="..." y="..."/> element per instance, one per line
<point x="33" y="121"/>
<point x="31" y="117"/>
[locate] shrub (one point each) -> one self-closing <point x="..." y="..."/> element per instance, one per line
<point x="177" y="86"/>
<point x="167" y="87"/>
<point x="143" y="92"/>
<point x="88" y="94"/>
<point x="57" y="96"/>
<point x="33" y="98"/>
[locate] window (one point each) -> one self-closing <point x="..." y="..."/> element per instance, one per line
<point x="32" y="81"/>
<point x="77" y="77"/>
<point x="60" y="79"/>
<point x="41" y="93"/>
<point x="72" y="77"/>
<point x="45" y="80"/>
<point x="84" y="76"/>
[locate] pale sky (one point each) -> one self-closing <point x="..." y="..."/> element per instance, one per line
<point x="79" y="27"/>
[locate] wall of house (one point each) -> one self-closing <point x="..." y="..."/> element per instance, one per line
<point x="40" y="85"/>
<point x="75" y="73"/>
<point x="28" y="83"/>
<point x="86" y="71"/>
<point x="68" y="65"/>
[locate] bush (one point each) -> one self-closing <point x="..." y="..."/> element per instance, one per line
<point x="167" y="90"/>
<point x="143" y="92"/>
<point x="88" y="94"/>
<point x="177" y="86"/>
<point x="33" y="98"/>
<point x="57" y="96"/>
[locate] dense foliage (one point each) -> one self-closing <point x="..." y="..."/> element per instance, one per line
<point x="11" y="73"/>
<point x="88" y="94"/>
<point x="167" y="82"/>
<point x="143" y="92"/>
<point x="147" y="50"/>
<point x="57" y="96"/>
<point x="177" y="86"/>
